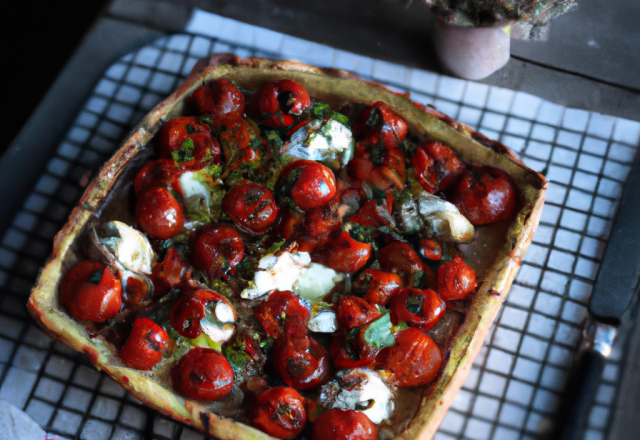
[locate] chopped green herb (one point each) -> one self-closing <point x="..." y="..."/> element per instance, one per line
<point x="185" y="153"/>
<point x="275" y="247"/>
<point x="189" y="129"/>
<point x="379" y="333"/>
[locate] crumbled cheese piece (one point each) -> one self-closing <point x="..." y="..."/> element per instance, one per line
<point x="293" y="272"/>
<point x="324" y="321"/>
<point x="320" y="140"/>
<point x="131" y="247"/>
<point x="370" y="394"/>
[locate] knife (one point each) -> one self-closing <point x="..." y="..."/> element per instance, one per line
<point x="617" y="282"/>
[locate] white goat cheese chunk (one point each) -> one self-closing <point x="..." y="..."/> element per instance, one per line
<point x="292" y="271"/>
<point x="370" y="395"/>
<point x="324" y="321"/>
<point x="130" y="247"/>
<point x="320" y="140"/>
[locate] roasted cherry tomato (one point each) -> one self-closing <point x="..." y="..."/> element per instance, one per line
<point x="169" y="273"/>
<point x="343" y="253"/>
<point x="161" y="173"/>
<point x="159" y="213"/>
<point x="300" y="361"/>
<point x="216" y="249"/>
<point x="191" y="308"/>
<point x="378" y="286"/>
<point x="485" y="195"/>
<point x="222" y="99"/>
<point x="354" y="312"/>
<point x="91" y="292"/>
<point x="143" y="350"/>
<point x="280" y="412"/>
<point x="308" y="183"/>
<point x="322" y="220"/>
<point x="279" y="100"/>
<point x="280" y="306"/>
<point x="352" y="352"/>
<point x="252" y="207"/>
<point x="199" y="151"/>
<point x="436" y="166"/>
<point x="338" y="424"/>
<point x="394" y="160"/>
<point x="418" y="308"/>
<point x="456" y="280"/>
<point x="430" y="249"/>
<point x="414" y="360"/>
<point x="372" y="214"/>
<point x="401" y="259"/>
<point x="359" y="168"/>
<point x="175" y="131"/>
<point x="380" y="117"/>
<point x="202" y="374"/>
<point x="289" y="223"/>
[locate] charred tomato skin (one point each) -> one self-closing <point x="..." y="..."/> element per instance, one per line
<point x="177" y="130"/>
<point x="485" y="195"/>
<point x="430" y="308"/>
<point x="90" y="295"/>
<point x="280" y="412"/>
<point x="222" y="100"/>
<point x="430" y="249"/>
<point x="338" y="424"/>
<point x="214" y="249"/>
<point x="381" y="286"/>
<point x="143" y="350"/>
<point x="190" y="308"/>
<point x="352" y="353"/>
<point x="414" y="360"/>
<point x="280" y="305"/>
<point x="252" y="207"/>
<point x="161" y="173"/>
<point x="354" y="312"/>
<point x="343" y="253"/>
<point x="202" y="374"/>
<point x="456" y="280"/>
<point x="170" y="273"/>
<point x="309" y="184"/>
<point x="159" y="213"/>
<point x="400" y="258"/>
<point x="285" y="97"/>
<point x="436" y="166"/>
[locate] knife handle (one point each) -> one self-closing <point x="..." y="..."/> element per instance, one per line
<point x="579" y="393"/>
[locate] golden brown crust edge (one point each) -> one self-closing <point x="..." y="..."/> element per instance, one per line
<point x="46" y="309"/>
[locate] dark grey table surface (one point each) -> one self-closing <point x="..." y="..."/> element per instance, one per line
<point x="591" y="60"/>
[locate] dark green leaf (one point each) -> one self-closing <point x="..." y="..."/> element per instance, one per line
<point x="185" y="153"/>
<point x="379" y="333"/>
<point x="189" y="129"/>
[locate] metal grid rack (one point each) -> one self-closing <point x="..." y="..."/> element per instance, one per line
<point x="515" y="383"/>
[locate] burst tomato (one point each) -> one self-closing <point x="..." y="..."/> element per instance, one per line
<point x="359" y="168"/>
<point x="380" y="117"/>
<point x="280" y="306"/>
<point x="308" y="183"/>
<point x="378" y="286"/>
<point x="418" y="308"/>
<point x="414" y="360"/>
<point x="456" y="280"/>
<point x="191" y="308"/>
<point x="252" y="207"/>
<point x="430" y="249"/>
<point x="436" y="166"/>
<point x="321" y="220"/>
<point x="485" y="195"/>
<point x="400" y="259"/>
<point x="278" y="100"/>
<point x="300" y="361"/>
<point x="343" y="253"/>
<point x="280" y="412"/>
<point x="159" y="213"/>
<point x="352" y="353"/>
<point x="202" y="374"/>
<point x="338" y="424"/>
<point x="222" y="99"/>
<point x="354" y="312"/>
<point x="161" y="173"/>
<point x="91" y="292"/>
<point x="143" y="350"/>
<point x="169" y="273"/>
<point x="216" y="249"/>
<point x="175" y="131"/>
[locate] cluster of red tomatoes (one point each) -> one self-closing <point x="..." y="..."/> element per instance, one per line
<point x="330" y="215"/>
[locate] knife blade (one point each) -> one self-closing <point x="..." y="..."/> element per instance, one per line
<point x="617" y="282"/>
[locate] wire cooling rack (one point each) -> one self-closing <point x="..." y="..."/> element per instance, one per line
<point x="514" y="386"/>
